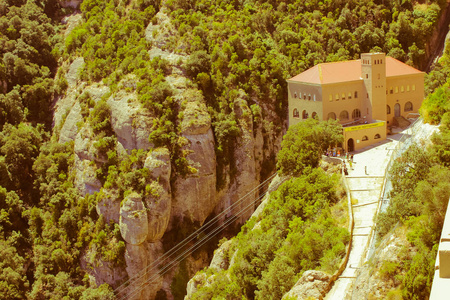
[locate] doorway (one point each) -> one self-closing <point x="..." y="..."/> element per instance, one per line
<point x="350" y="145"/>
<point x="397" y="110"/>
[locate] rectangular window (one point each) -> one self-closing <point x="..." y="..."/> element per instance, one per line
<point x="413" y="87"/>
<point x="349" y="95"/>
<point x="391" y="90"/>
<point x="367" y="76"/>
<point x="402" y="89"/>
<point x="396" y="89"/>
<point x="343" y="96"/>
<point x="407" y="88"/>
<point x="304" y="96"/>
<point x="309" y="97"/>
<point x="337" y="97"/>
<point x="330" y="97"/>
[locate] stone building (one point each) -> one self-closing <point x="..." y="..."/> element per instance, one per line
<point x="366" y="96"/>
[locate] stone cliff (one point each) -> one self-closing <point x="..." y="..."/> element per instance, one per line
<point x="172" y="197"/>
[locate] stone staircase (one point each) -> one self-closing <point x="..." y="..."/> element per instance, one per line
<point x="401" y="122"/>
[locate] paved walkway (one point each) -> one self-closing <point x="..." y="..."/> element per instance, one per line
<point x="365" y="182"/>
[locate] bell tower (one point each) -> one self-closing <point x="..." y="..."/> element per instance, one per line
<point x="373" y="72"/>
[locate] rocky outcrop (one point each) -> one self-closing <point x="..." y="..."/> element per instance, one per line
<point x="130" y="122"/>
<point x="220" y="259"/>
<point x="371" y="280"/>
<point x="70" y="3"/>
<point x="312" y="285"/>
<point x="133" y="219"/>
<point x="240" y="187"/>
<point x="101" y="271"/>
<point x="195" y="194"/>
<point x="85" y="178"/>
<point x="158" y="205"/>
<point x="199" y="279"/>
<point x="146" y="282"/>
<point x="108" y="205"/>
<point x="69" y="129"/>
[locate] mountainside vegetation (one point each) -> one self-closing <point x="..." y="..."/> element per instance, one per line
<point x="420" y="194"/>
<point x="50" y="233"/>
<point x="301" y="228"/>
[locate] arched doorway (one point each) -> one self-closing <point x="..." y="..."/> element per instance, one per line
<point x="350" y="145"/>
<point x="397" y="110"/>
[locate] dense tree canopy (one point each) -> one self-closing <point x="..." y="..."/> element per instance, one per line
<point x="304" y="144"/>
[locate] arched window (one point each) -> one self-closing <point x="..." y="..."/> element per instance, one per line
<point x="296" y="114"/>
<point x="365" y="138"/>
<point x="408" y="106"/>
<point x="331" y="116"/>
<point x="343" y="115"/>
<point x="388" y="109"/>
<point x="314" y="115"/>
<point x="304" y="115"/>
<point x="377" y="136"/>
<point x="356" y="114"/>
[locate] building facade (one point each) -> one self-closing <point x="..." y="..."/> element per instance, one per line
<point x="365" y="95"/>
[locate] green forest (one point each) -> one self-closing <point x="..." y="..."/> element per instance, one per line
<point x="233" y="49"/>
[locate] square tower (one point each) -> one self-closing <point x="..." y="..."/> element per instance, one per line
<point x="373" y="73"/>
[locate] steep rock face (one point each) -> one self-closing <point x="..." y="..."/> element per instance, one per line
<point x="158" y="205"/>
<point x="133" y="219"/>
<point x="85" y="178"/>
<point x="101" y="271"/>
<point x="240" y="186"/>
<point x="195" y="195"/>
<point x="108" y="205"/>
<point x="145" y="284"/>
<point x="159" y="201"/>
<point x="69" y="129"/>
<point x="130" y="122"/>
<point x="64" y="104"/>
<point x="312" y="284"/>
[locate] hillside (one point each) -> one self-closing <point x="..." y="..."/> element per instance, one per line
<point x="125" y="125"/>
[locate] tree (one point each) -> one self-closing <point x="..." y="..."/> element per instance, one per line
<point x="20" y="147"/>
<point x="304" y="144"/>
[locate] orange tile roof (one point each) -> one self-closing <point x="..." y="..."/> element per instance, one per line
<point x="396" y="68"/>
<point x="343" y="71"/>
